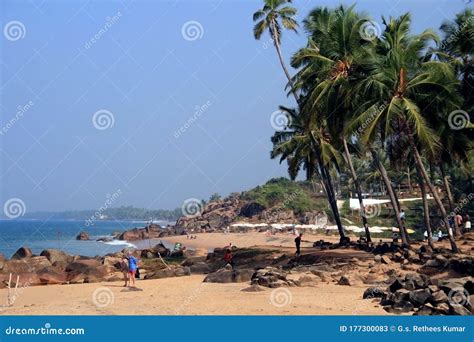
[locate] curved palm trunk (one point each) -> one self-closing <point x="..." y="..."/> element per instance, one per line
<point x="391" y="195"/>
<point x="421" y="168"/>
<point x="329" y="190"/>
<point x="426" y="209"/>
<point x="449" y="195"/>
<point x="285" y="70"/>
<point x="358" y="190"/>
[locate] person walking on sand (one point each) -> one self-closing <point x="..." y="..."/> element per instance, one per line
<point x="132" y="269"/>
<point x="125" y="270"/>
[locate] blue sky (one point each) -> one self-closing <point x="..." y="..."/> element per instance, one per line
<point x="191" y="114"/>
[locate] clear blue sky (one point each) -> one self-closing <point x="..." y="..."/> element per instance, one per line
<point x="151" y="79"/>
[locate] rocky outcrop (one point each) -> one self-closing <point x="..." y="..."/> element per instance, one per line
<point x="149" y="232"/>
<point x="57" y="257"/>
<point x="271" y="277"/>
<point x="419" y="294"/>
<point x="228" y="275"/>
<point x="82" y="236"/>
<point x="22" y="252"/>
<point x="176" y="271"/>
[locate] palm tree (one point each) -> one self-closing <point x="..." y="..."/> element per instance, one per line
<point x="274" y="15"/>
<point x="310" y="150"/>
<point x="329" y="68"/>
<point x="405" y="81"/>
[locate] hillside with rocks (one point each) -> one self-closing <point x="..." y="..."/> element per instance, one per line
<point x="279" y="200"/>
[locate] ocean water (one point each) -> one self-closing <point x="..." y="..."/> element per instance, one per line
<point x="61" y="234"/>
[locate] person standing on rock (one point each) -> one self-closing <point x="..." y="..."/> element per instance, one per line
<point x="228" y="258"/>
<point x="298" y="244"/>
<point x="132" y="269"/>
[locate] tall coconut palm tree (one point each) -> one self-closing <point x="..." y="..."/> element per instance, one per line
<point x="274" y="15"/>
<point x="310" y="150"/>
<point x="328" y="66"/>
<point x="404" y="80"/>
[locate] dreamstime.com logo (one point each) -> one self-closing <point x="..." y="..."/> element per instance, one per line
<point x="280" y="120"/>
<point x="370" y="30"/>
<point x="103" y="119"/>
<point x="14" y="208"/>
<point x="46" y="330"/>
<point x="192" y="207"/>
<point x="281" y="297"/>
<point x="458" y="119"/>
<point x="14" y="30"/>
<point x="372" y="210"/>
<point x="102" y="297"/>
<point x="459" y="296"/>
<point x="192" y="30"/>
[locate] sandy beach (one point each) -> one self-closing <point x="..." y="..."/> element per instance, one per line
<point x="189" y="296"/>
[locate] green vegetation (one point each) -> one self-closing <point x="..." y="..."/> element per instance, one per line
<point x="378" y="105"/>
<point x="122" y="213"/>
<point x="297" y="196"/>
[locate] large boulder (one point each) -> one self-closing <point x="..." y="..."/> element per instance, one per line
<point x="51" y="275"/>
<point x="200" y="268"/>
<point x="86" y="271"/>
<point x="26" y="265"/>
<point x="22" y="252"/>
<point x="57" y="257"/>
<point x="226" y="275"/>
<point x="2" y="261"/>
<point x="160" y="249"/>
<point x="83" y="236"/>
<point x="178" y="271"/>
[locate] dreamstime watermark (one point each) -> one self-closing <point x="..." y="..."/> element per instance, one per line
<point x="189" y="300"/>
<point x="107" y="204"/>
<point x="281" y="297"/>
<point x="14" y="208"/>
<point x="198" y="111"/>
<point x="370" y="30"/>
<point x="102" y="297"/>
<point x="21" y="110"/>
<point x="458" y="119"/>
<point x="374" y="113"/>
<point x="280" y="120"/>
<point x="372" y="210"/>
<point x="458" y="209"/>
<point x="459" y="296"/>
<point x="192" y="207"/>
<point x="103" y="119"/>
<point x="288" y="199"/>
<point x="453" y="36"/>
<point x="46" y="330"/>
<point x="14" y="30"/>
<point x="192" y="30"/>
<point x="109" y="22"/>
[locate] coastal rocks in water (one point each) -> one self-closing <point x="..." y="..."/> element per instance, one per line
<point x="226" y="275"/>
<point x="83" y="236"/>
<point x="22" y="252"/>
<point x="149" y="232"/>
<point x="57" y="257"/>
